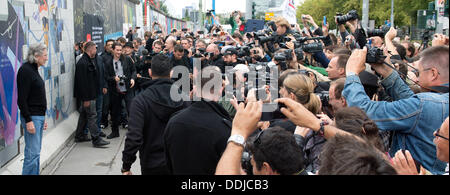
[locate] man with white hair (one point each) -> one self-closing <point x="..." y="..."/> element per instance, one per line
<point x="32" y="103"/>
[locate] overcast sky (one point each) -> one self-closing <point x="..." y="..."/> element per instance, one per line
<point x="222" y="6"/>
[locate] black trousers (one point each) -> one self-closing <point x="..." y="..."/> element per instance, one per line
<point x="155" y="171"/>
<point x="116" y="107"/>
<point x="106" y="109"/>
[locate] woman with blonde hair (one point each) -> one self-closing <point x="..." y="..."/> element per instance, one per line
<point x="300" y="88"/>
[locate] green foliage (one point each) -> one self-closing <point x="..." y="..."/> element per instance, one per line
<point x="405" y="11"/>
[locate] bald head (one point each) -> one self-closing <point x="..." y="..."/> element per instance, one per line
<point x="213" y="48"/>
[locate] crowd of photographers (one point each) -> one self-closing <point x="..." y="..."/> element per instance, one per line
<point x="360" y="102"/>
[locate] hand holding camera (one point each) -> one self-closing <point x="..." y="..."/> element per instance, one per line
<point x="356" y="62"/>
<point x="246" y="119"/>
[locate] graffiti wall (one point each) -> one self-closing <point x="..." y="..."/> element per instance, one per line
<point x="52" y="22"/>
<point x="22" y="23"/>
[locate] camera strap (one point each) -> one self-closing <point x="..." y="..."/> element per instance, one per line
<point x="437" y="89"/>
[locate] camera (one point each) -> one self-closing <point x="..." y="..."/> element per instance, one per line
<point x="201" y="52"/>
<point x="122" y="80"/>
<point x="324" y="98"/>
<point x="375" y="55"/>
<point x="378" y="32"/>
<point x="351" y="15"/>
<point x="209" y="13"/>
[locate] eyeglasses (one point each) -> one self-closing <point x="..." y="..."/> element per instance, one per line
<point x="438" y="135"/>
<point x="417" y="72"/>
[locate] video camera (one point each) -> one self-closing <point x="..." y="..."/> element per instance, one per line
<point x="375" y="55"/>
<point x="351" y="15"/>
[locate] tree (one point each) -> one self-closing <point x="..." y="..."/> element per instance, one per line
<point x="380" y="10"/>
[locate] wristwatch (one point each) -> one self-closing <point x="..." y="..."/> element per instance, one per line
<point x="237" y="139"/>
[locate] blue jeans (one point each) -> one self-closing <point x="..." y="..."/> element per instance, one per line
<point x="33" y="143"/>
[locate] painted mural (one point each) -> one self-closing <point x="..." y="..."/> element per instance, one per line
<point x="22" y="24"/>
<point x="52" y="22"/>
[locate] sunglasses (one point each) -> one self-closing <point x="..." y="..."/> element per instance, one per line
<point x="438" y="135"/>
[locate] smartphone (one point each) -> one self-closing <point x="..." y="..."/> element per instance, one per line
<point x="158" y="32"/>
<point x="272" y="115"/>
<point x="184" y="30"/>
<point x="201" y="32"/>
<point x="325" y="20"/>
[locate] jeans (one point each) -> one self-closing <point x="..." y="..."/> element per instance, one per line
<point x="99" y="108"/>
<point x="88" y="118"/>
<point x="33" y="144"/>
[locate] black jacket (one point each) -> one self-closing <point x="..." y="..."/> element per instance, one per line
<point x="101" y="74"/>
<point x="150" y="111"/>
<point x="196" y="137"/>
<point x="184" y="61"/>
<point x="149" y="45"/>
<point x="128" y="69"/>
<point x="31" y="97"/>
<point x="218" y="62"/>
<point x="86" y="79"/>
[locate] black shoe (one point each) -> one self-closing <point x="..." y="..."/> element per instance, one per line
<point x="125" y="126"/>
<point x="103" y="126"/>
<point x="102" y="134"/>
<point x="99" y="143"/>
<point x="113" y="135"/>
<point x="82" y="139"/>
